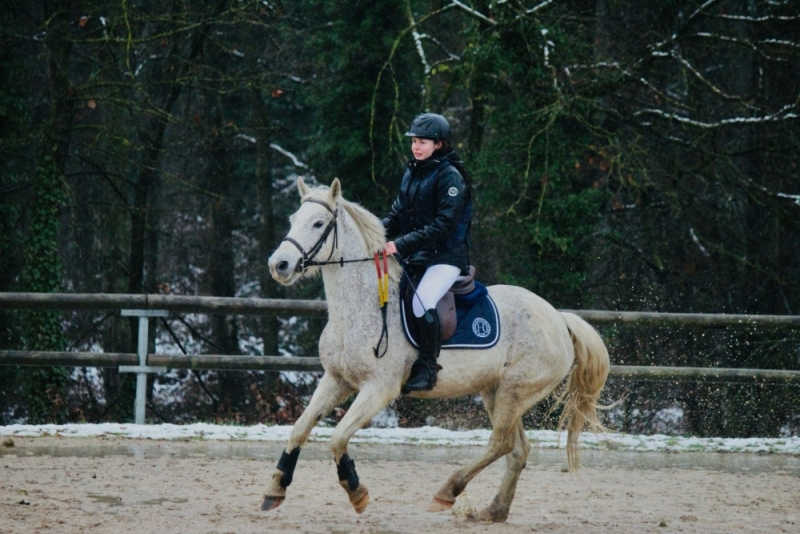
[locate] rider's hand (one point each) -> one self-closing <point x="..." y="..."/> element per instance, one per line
<point x="390" y="248"/>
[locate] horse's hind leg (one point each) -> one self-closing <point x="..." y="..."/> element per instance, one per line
<point x="329" y="393"/>
<point x="501" y="443"/>
<point x="516" y="460"/>
<point x="367" y="404"/>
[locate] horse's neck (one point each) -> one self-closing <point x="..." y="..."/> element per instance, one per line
<point x="351" y="289"/>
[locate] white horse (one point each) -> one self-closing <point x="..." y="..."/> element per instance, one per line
<point x="538" y="348"/>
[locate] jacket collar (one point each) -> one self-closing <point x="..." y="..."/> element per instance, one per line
<point x="421" y="168"/>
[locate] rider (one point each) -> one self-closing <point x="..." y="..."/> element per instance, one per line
<point x="431" y="217"/>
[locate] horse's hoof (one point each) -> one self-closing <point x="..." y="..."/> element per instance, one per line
<point x="361" y="504"/>
<point x="270" y="503"/>
<point x="439" y="505"/>
<point x="493" y="515"/>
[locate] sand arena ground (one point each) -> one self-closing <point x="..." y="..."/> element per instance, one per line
<point x="68" y="485"/>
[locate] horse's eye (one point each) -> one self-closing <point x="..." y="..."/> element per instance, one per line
<point x="318" y="224"/>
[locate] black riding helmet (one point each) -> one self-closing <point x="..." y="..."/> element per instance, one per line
<point x="430" y="126"/>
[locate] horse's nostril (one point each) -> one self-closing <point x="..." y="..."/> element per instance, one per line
<point x="283" y="265"/>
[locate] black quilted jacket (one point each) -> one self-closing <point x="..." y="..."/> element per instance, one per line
<point x="430" y="218"/>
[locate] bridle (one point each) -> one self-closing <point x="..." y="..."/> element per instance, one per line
<point x="308" y="257"/>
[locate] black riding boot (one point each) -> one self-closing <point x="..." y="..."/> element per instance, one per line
<point x="423" y="372"/>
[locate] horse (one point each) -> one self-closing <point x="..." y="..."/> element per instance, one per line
<point x="538" y="349"/>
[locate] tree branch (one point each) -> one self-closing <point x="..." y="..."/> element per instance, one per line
<point x="784" y="114"/>
<point x="471" y="12"/>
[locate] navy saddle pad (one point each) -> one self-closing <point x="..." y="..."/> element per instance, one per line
<point x="478" y="323"/>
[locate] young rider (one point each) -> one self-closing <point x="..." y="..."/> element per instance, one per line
<point x="430" y="221"/>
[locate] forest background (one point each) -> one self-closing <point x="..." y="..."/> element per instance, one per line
<point x="624" y="155"/>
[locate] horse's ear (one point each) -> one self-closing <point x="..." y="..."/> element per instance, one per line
<point x="336" y="190"/>
<point x="302" y="188"/>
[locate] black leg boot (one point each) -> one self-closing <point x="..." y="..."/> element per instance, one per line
<point x="423" y="372"/>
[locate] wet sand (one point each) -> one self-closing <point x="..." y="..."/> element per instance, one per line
<point x="66" y="485"/>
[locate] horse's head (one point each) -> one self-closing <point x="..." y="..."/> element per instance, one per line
<point x="312" y="232"/>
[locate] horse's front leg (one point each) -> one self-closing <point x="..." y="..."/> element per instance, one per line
<point x="329" y="393"/>
<point x="368" y="403"/>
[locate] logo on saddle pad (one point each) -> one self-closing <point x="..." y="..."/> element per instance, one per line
<point x="481" y="327"/>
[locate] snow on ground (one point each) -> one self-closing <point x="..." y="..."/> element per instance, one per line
<point x="425" y="436"/>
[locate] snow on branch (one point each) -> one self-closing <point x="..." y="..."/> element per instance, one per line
<point x="297" y="162"/>
<point x="450" y="56"/>
<point x="702" y="78"/>
<point x="700" y="10"/>
<point x="748" y="44"/>
<point x="534" y="9"/>
<point x="796" y="198"/>
<point x="784" y="114"/>
<point x="293" y="78"/>
<point x="468" y="10"/>
<point x="698" y="243"/>
<point x="546" y="47"/>
<point x="419" y="37"/>
<point x="421" y="51"/>
<point x="766" y="18"/>
<point x="598" y="65"/>
<point x="248" y="138"/>
<point x="616" y="66"/>
<point x="778" y="194"/>
<point x="540" y="6"/>
<point x="672" y="38"/>
<point x="668" y="96"/>
<point x="418" y="40"/>
<point x="781" y="42"/>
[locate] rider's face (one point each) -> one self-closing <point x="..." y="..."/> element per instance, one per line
<point x="423" y="148"/>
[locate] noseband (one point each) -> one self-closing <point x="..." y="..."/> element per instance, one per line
<point x="309" y="256"/>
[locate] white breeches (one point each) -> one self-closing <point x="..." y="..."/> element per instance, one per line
<point x="434" y="284"/>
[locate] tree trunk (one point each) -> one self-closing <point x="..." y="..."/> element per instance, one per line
<point x="266" y="231"/>
<point x="221" y="265"/>
<point x="153" y="137"/>
<point x="46" y="388"/>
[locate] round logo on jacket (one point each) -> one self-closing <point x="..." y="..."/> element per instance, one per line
<point x="481" y="327"/>
<point x="452" y="191"/>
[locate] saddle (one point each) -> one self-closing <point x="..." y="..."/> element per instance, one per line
<point x="446" y="307"/>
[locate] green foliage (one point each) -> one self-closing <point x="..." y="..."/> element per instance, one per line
<point x="530" y="167"/>
<point x="543" y="195"/>
<point x="46" y="389"/>
<point x="351" y="139"/>
<point x="42" y="263"/>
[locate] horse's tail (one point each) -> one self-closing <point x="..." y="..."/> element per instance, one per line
<point x="585" y="381"/>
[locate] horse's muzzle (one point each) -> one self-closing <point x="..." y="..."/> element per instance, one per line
<point x="283" y="267"/>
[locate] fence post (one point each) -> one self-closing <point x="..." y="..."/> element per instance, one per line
<point x="142" y="369"/>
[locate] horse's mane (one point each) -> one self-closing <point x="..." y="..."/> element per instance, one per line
<point x="370" y="228"/>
